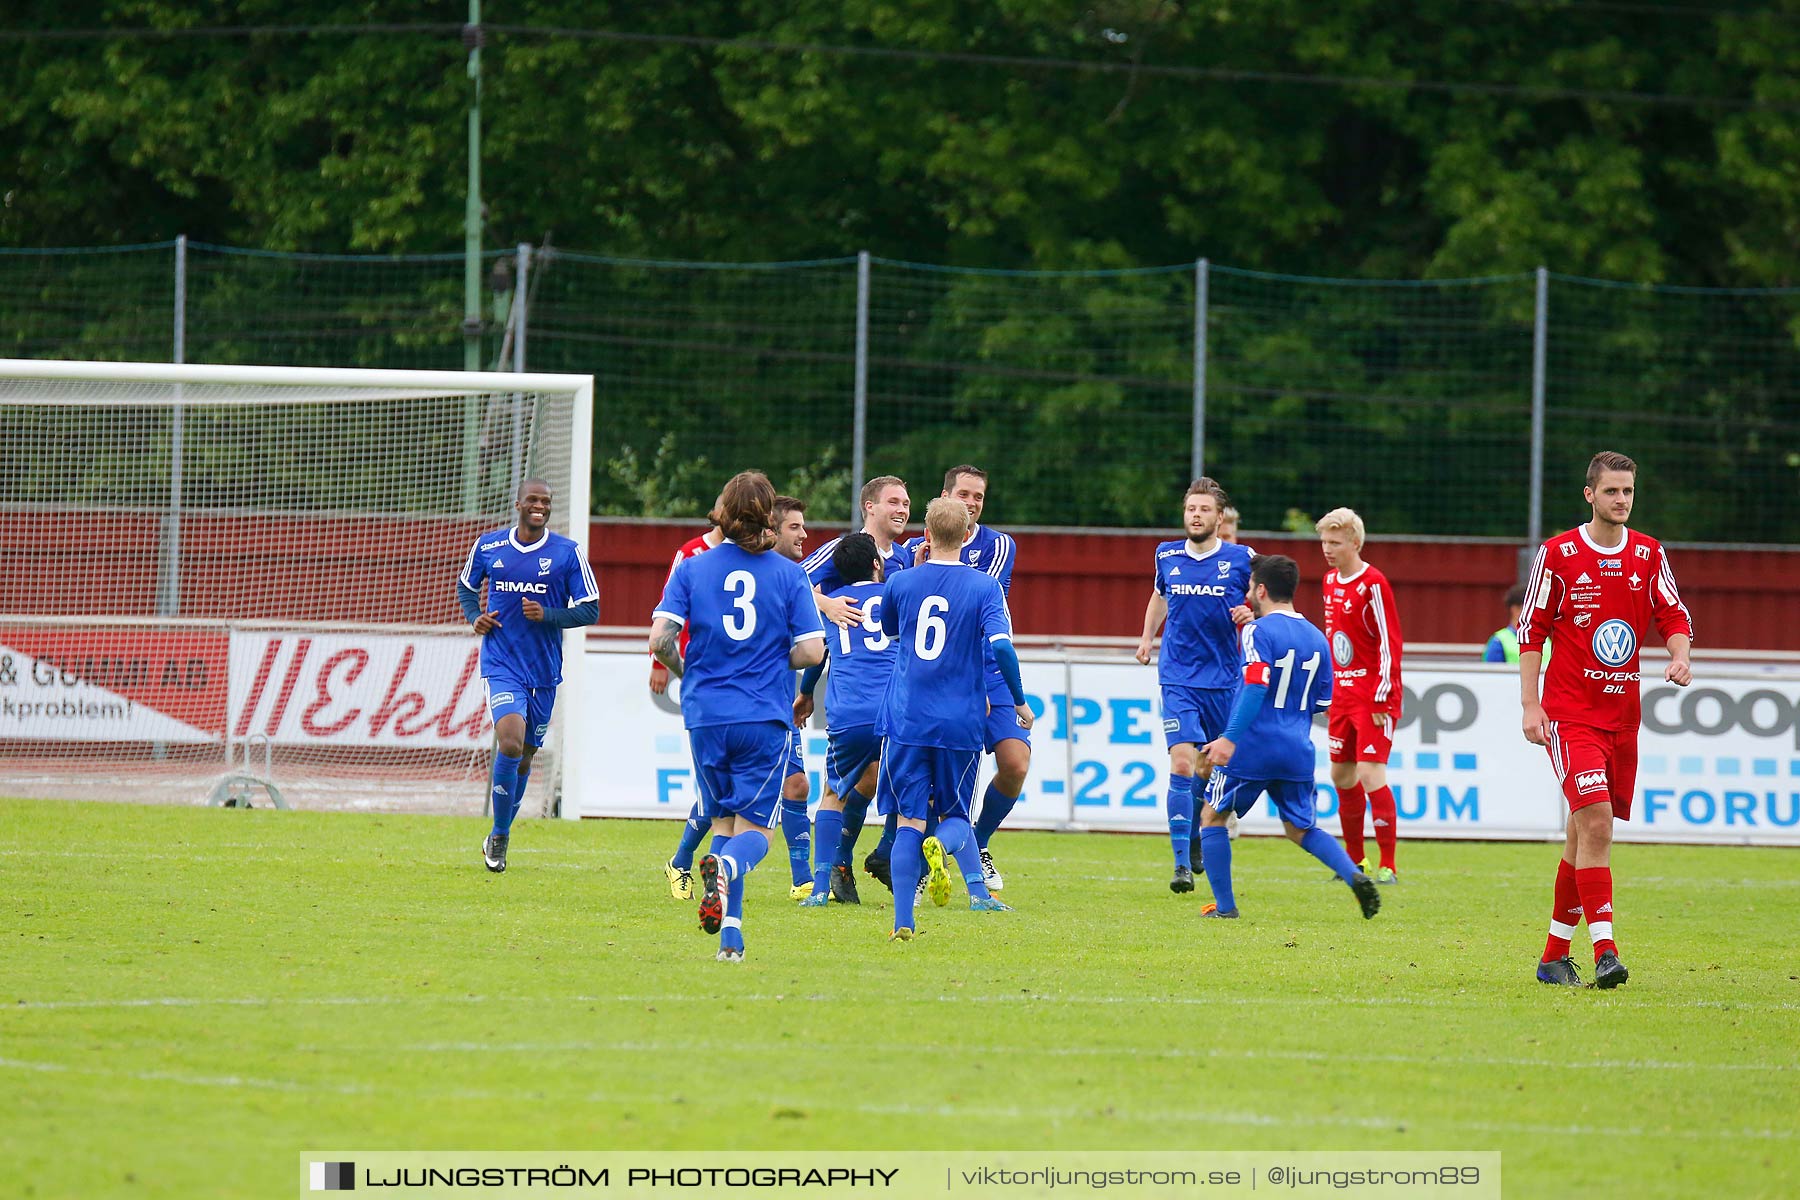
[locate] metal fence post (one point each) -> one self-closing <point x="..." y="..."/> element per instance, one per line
<point x="1202" y="270"/>
<point x="521" y="308"/>
<point x="1540" y="338"/>
<point x="859" y="434"/>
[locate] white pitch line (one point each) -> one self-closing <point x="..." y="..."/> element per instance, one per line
<point x="1466" y="1003"/>
<point x="1160" y="1116"/>
<point x="1212" y="1053"/>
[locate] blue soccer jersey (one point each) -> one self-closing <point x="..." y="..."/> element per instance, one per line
<point x="822" y="575"/>
<point x="552" y="571"/>
<point x="987" y="550"/>
<point x="1285" y="653"/>
<point x="942" y="617"/>
<point x="1200" y="644"/>
<point x="743" y="613"/>
<point x="862" y="661"/>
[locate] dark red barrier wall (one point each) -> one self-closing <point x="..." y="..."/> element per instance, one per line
<point x="1070" y="583"/>
<point x="1096" y="584"/>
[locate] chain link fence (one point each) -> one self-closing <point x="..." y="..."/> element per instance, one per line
<point x="1448" y="407"/>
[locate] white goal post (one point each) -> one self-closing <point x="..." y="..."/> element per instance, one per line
<point x="237" y="583"/>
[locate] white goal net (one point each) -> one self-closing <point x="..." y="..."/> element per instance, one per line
<point x="233" y="583"/>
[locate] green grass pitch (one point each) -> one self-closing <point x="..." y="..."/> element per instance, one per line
<point x="189" y="998"/>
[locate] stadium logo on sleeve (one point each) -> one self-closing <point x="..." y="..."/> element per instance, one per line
<point x="1340" y="648"/>
<point x="1614" y="643"/>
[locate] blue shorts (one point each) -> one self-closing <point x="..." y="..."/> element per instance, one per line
<point x="1003" y="722"/>
<point x="1293" y="798"/>
<point x="508" y="697"/>
<point x="740" y="768"/>
<point x="849" y="755"/>
<point x="918" y="780"/>
<point x="1196" y="715"/>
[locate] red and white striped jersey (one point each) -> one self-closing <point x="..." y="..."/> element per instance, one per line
<point x="1597" y="605"/>
<point x="689" y="548"/>
<point x="1362" y="623"/>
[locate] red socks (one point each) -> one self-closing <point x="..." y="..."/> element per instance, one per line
<point x="1387" y="824"/>
<point x="1595" y="885"/>
<point x="1350" y="818"/>
<point x="1565" y="914"/>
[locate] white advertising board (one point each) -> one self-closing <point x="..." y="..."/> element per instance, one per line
<point x="1719" y="761"/>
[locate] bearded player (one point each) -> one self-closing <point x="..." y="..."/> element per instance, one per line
<point x="1595" y="591"/>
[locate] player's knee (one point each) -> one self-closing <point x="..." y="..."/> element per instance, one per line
<point x="794" y="788"/>
<point x="509" y="737"/>
<point x="1182" y="760"/>
<point x="1294" y="833"/>
<point x="1372" y="776"/>
<point x="870" y="776"/>
<point x="1343" y="775"/>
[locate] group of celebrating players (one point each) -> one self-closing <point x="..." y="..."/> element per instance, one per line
<point x="914" y="641"/>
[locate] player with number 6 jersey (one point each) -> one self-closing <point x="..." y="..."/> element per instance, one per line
<point x="946" y="619"/>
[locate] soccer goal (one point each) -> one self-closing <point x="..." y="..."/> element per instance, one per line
<point x="237" y="584"/>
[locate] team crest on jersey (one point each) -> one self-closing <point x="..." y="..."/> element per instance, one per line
<point x="1583" y="620"/>
<point x="1614" y="643"/>
<point x="1224" y="569"/>
<point x="544" y="565"/>
<point x="1340" y="648"/>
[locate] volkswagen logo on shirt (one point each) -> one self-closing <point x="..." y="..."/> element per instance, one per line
<point x="1614" y="643"/>
<point x="1340" y="648"/>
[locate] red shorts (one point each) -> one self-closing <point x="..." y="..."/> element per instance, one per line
<point x="1594" y="765"/>
<point x="1356" y="736"/>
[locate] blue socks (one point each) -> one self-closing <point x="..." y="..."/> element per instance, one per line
<point x="908" y="866"/>
<point x="1181" y="817"/>
<point x="1325" y="848"/>
<point x="731" y="930"/>
<point x="960" y="842"/>
<point x="691" y="833"/>
<point x="796" y="829"/>
<point x="506" y="789"/>
<point x="519" y="792"/>
<point x="996" y="805"/>
<point x="885" y="847"/>
<point x="1215" y="852"/>
<point x="856" y="811"/>
<point x="826" y="828"/>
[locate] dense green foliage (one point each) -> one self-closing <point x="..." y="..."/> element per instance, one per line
<point x="217" y="992"/>
<point x="1367" y="140"/>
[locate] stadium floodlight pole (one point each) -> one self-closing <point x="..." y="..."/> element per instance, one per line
<point x="471" y="327"/>
<point x="1540" y="338"/>
<point x="859" y="433"/>
<point x="1202" y="269"/>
